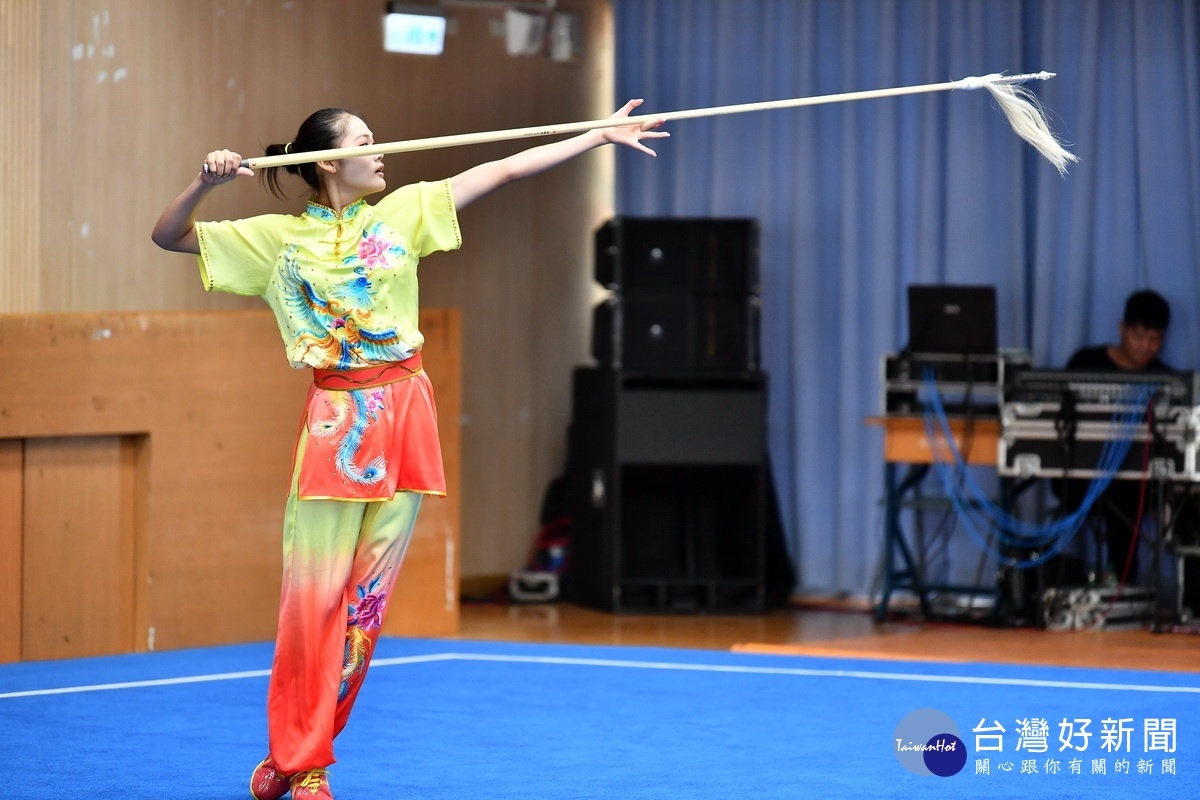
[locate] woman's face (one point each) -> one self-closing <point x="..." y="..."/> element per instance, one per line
<point x="360" y="175"/>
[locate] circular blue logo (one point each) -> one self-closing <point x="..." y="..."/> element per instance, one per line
<point x="945" y="755"/>
<point x="927" y="742"/>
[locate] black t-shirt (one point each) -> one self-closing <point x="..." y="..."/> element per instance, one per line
<point x="1097" y="359"/>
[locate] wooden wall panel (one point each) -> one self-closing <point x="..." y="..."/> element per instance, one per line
<point x="20" y="141"/>
<point x="212" y="408"/>
<point x="12" y="482"/>
<point x="78" y="565"/>
<point x="433" y="554"/>
<point x="115" y="102"/>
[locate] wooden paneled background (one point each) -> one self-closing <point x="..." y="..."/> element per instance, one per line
<point x="144" y="464"/>
<point x="108" y="106"/>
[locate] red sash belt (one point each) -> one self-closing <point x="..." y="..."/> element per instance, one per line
<point x="367" y="377"/>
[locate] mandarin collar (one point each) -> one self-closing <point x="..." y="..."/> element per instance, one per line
<point x="327" y="214"/>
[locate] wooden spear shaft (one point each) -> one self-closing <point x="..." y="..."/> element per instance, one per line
<point x="457" y="140"/>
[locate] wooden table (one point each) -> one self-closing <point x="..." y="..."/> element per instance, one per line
<point x="907" y="442"/>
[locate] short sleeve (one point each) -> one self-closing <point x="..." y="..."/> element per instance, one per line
<point x="424" y="213"/>
<point x="239" y="256"/>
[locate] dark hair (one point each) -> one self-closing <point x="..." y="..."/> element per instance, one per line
<point x="323" y="130"/>
<point x="1147" y="309"/>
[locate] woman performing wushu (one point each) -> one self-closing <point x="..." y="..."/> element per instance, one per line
<point x="341" y="279"/>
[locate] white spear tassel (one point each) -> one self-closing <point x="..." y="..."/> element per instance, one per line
<point x="1025" y="113"/>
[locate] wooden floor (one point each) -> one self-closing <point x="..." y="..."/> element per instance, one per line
<point x="835" y="632"/>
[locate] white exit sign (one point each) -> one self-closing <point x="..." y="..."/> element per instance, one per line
<point x="423" y="34"/>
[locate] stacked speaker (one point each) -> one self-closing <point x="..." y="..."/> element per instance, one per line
<point x="667" y="470"/>
<point x="685" y="295"/>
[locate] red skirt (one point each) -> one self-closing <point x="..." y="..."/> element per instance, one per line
<point x="369" y="433"/>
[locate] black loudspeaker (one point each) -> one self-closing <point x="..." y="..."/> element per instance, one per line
<point x="667" y="489"/>
<point x="688" y="256"/>
<point x="677" y="333"/>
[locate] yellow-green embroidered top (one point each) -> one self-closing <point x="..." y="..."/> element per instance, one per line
<point x="343" y="287"/>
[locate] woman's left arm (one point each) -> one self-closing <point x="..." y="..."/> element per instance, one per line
<point x="478" y="181"/>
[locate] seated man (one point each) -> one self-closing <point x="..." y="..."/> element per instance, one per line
<point x="1142" y="331"/>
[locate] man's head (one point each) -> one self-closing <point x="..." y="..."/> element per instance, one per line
<point x="1143" y="328"/>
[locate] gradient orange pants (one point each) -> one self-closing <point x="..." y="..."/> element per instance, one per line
<point x="340" y="561"/>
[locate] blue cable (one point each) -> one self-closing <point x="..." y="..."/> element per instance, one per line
<point x="1025" y="533"/>
<point x="970" y="499"/>
<point x="1059" y="533"/>
<point x="1113" y="454"/>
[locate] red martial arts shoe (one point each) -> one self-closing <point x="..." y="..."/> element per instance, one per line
<point x="311" y="785"/>
<point x="268" y="783"/>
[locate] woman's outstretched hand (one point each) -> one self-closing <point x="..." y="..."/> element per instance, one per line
<point x="469" y="186"/>
<point x="632" y="135"/>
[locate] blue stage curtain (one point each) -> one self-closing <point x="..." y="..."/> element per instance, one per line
<point x="857" y="200"/>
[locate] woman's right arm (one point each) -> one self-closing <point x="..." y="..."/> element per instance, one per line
<point x="176" y="227"/>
